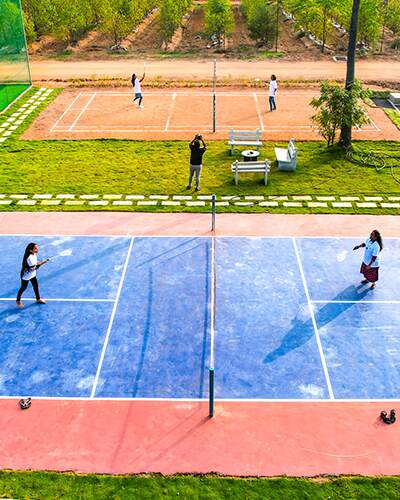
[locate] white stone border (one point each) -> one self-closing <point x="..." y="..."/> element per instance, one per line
<point x="261" y="201"/>
<point x="11" y="125"/>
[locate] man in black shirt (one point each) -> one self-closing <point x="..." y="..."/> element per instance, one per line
<point x="197" y="149"/>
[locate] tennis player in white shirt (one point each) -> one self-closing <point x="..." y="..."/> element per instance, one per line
<point x="273" y="88"/>
<point x="29" y="267"/>
<point x="137" y="89"/>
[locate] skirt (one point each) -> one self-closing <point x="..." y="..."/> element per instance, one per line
<point x="372" y="274"/>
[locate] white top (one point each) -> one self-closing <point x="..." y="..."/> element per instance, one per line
<point x="372" y="249"/>
<point x="273" y="87"/>
<point x="137" y="86"/>
<point x="32" y="261"/>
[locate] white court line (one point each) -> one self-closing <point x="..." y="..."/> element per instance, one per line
<point x="110" y="324"/>
<point x="65" y="112"/>
<point x="258" y="112"/>
<point x="82" y="111"/>
<point x="176" y="128"/>
<point x="310" y="307"/>
<point x="202" y="400"/>
<point x="61" y="300"/>
<point x="190" y="235"/>
<point x="171" y="108"/>
<point x="375" y="125"/>
<point x="207" y="94"/>
<point x="355" y="301"/>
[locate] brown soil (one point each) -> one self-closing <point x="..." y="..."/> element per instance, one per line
<point x="147" y="41"/>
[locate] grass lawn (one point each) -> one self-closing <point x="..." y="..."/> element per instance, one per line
<point x="394" y="116"/>
<point x="135" y="167"/>
<point x="150" y="167"/>
<point x="47" y="485"/>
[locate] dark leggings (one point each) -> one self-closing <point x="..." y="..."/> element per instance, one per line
<point x="140" y="100"/>
<point x="24" y="286"/>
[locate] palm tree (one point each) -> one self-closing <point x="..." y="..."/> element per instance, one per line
<point x="345" y="134"/>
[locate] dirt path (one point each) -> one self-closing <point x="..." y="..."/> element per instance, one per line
<point x="202" y="69"/>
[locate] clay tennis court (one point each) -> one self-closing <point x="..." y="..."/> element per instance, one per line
<point x="179" y="113"/>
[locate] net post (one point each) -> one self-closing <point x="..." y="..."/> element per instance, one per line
<point x="213" y="211"/>
<point x="211" y="374"/>
<point x="215" y="97"/>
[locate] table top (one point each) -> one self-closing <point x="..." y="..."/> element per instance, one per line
<point x="250" y="152"/>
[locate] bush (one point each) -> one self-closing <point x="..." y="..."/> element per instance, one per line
<point x="338" y="107"/>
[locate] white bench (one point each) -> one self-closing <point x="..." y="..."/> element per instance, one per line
<point x="244" y="138"/>
<point x="251" y="167"/>
<point x="287" y="158"/>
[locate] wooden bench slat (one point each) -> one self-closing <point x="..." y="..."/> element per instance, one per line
<point x="244" y="138"/>
<point x="256" y="167"/>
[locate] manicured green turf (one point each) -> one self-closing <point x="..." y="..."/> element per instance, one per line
<point x="394" y="116"/>
<point x="67" y="486"/>
<point x="149" y="167"/>
<point x="118" y="166"/>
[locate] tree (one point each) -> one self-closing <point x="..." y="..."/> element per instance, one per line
<point x="337" y="107"/>
<point x="73" y="20"/>
<point x="117" y="19"/>
<point x="10" y="27"/>
<point x="171" y="13"/>
<point x="219" y="18"/>
<point x="393" y="16"/>
<point x="346" y="126"/>
<point x="29" y="29"/>
<point x="261" y="21"/>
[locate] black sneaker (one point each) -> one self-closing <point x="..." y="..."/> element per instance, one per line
<point x="188" y="187"/>
<point x="197" y="189"/>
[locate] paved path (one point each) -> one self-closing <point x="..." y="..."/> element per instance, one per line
<point x="202" y="69"/>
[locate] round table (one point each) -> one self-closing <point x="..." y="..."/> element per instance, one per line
<point x="250" y="155"/>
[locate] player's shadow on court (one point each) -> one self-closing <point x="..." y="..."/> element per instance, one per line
<point x="303" y="331"/>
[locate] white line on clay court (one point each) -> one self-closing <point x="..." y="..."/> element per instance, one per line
<point x="65" y="112"/>
<point x="171" y="108"/>
<point x="183" y="128"/>
<point x="82" y="111"/>
<point x="258" y="112"/>
<point x="173" y="129"/>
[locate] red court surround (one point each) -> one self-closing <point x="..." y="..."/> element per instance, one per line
<point x="265" y="438"/>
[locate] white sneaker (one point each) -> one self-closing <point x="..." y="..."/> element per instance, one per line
<point x="141" y="106"/>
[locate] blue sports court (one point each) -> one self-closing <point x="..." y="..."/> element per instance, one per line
<point x="130" y="318"/>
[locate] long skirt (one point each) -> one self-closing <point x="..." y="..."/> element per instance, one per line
<point x="372" y="274"/>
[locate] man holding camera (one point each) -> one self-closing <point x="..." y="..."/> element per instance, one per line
<point x="197" y="149"/>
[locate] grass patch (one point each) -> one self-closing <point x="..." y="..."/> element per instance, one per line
<point x="270" y="54"/>
<point x="147" y="167"/>
<point x="63" y="55"/>
<point x="394" y="116"/>
<point x="49" y="485"/>
<point x="176" y="54"/>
